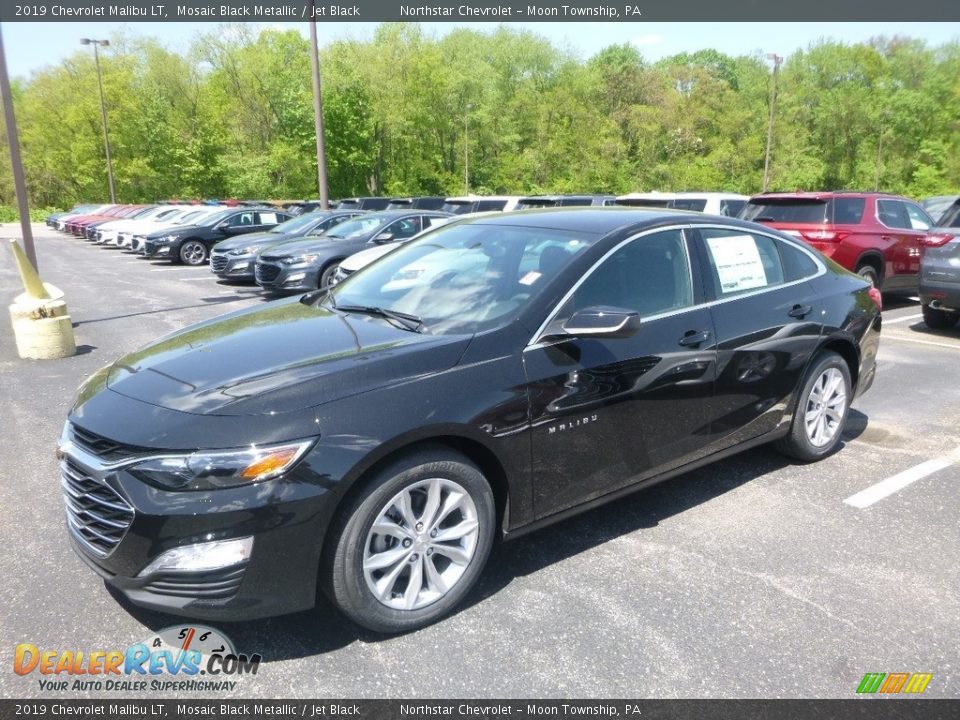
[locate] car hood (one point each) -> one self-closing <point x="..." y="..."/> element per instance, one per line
<point x="365" y="257"/>
<point x="315" y="244"/>
<point x="278" y="358"/>
<point x="172" y="230"/>
<point x="260" y="238"/>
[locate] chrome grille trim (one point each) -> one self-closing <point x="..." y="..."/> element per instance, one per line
<point x="97" y="516"/>
<point x="218" y="262"/>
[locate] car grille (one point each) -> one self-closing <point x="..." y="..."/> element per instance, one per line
<point x="213" y="585"/>
<point x="218" y="263"/>
<point x="97" y="516"/>
<point x="135" y="242"/>
<point x="266" y="273"/>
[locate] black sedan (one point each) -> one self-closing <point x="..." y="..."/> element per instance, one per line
<point x="311" y="263"/>
<point x="234" y="259"/>
<point x="191" y="244"/>
<point x="373" y="440"/>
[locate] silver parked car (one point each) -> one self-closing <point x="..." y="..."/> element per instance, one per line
<point x="940" y="272"/>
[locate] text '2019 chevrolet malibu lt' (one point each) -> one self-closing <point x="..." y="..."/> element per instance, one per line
<point x="374" y="439"/>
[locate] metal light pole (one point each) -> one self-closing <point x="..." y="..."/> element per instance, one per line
<point x="466" y="150"/>
<point x="103" y="110"/>
<point x="773" y="103"/>
<point x="318" y="109"/>
<point x="13" y="141"/>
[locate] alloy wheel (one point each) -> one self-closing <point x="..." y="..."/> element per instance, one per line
<point x="420" y="544"/>
<point x="826" y="407"/>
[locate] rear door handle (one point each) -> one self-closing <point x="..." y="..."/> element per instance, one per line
<point x="800" y="311"/>
<point x="692" y="338"/>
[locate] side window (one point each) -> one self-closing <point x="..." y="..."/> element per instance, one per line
<point x="919" y="220"/>
<point x="429" y="221"/>
<point x="848" y="211"/>
<point x="268" y="218"/>
<point x="241" y="219"/>
<point x="892" y="214"/>
<point x="407" y="227"/>
<point x="491" y="205"/>
<point x="796" y="263"/>
<point x="740" y="262"/>
<point x="650" y="275"/>
<point x="731" y="208"/>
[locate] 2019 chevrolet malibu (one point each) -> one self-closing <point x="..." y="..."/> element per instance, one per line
<point x="374" y="442"/>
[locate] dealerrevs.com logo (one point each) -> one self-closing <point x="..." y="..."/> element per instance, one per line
<point x="182" y="658"/>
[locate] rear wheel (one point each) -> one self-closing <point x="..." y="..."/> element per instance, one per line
<point x="193" y="252"/>
<point x="870" y="274"/>
<point x="411" y="545"/>
<point x="821" y="411"/>
<point x="939" y="319"/>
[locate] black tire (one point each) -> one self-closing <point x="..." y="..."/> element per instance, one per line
<point x="193" y="252"/>
<point x="352" y="536"/>
<point x="798" y="443"/>
<point x="939" y="319"/>
<point x="326" y="275"/>
<point x="870" y="274"/>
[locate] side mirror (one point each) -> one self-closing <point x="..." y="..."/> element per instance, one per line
<point x="383" y="237"/>
<point x="603" y="321"/>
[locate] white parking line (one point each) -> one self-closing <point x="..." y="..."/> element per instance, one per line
<point x="895" y="483"/>
<point x="890" y="336"/>
<point x="903" y="319"/>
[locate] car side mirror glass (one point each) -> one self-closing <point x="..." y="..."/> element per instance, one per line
<point x="603" y="321"/>
<point x="383" y="237"/>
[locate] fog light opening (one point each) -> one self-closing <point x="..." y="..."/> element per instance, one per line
<point x="202" y="557"/>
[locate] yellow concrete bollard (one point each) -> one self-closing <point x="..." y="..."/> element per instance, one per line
<point x="41" y="325"/>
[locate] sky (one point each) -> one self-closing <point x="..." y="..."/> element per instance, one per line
<point x="33" y="46"/>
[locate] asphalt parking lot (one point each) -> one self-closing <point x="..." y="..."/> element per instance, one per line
<point x="750" y="578"/>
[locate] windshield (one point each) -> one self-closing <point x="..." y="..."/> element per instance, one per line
<point x="354" y="228"/>
<point x="188" y="218"/>
<point x="214" y="218"/>
<point x="298" y="223"/>
<point x="465" y="277"/>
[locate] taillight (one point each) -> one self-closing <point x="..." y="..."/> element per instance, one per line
<point x="937" y="239"/>
<point x="824" y="235"/>
<point x="876" y="297"/>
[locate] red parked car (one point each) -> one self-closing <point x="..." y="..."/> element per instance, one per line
<point x="879" y="236"/>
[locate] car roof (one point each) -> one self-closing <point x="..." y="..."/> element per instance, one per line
<point x="595" y="219"/>
<point x="824" y="195"/>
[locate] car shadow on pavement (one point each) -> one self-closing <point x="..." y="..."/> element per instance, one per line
<point x="324" y="629"/>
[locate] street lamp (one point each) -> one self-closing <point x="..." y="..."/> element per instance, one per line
<point x="773" y="103"/>
<point x="466" y="150"/>
<point x="103" y="110"/>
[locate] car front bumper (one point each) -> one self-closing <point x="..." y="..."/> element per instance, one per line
<point x="277" y="277"/>
<point x="119" y="525"/>
<point x="232" y="267"/>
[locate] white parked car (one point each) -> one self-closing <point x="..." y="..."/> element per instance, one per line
<point x="711" y="203"/>
<point x="107" y="233"/>
<point x="190" y="215"/>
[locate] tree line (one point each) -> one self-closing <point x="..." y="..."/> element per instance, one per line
<point x="232" y="117"/>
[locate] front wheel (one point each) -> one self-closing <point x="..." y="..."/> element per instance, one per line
<point x="411" y="545"/>
<point x="821" y="411"/>
<point x="193" y="252"/>
<point x="936" y="319"/>
<point x="327" y="275"/>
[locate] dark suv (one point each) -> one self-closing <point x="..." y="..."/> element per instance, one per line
<point x="879" y="236"/>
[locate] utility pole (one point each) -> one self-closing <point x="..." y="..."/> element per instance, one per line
<point x="103" y="110"/>
<point x="13" y="141"/>
<point x="773" y="103"/>
<point x="318" y="109"/>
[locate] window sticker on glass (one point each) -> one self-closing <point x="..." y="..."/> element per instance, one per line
<point x="738" y="263"/>
<point x="530" y="278"/>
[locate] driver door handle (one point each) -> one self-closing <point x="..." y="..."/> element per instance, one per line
<point x="693" y="338"/>
<point x="800" y="311"/>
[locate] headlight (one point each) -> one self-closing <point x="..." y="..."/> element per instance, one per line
<point x="208" y="470"/>
<point x="243" y="251"/>
<point x="297" y="259"/>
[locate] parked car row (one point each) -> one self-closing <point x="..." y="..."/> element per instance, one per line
<point x="884" y="238"/>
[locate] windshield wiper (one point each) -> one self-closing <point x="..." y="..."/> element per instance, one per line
<point x="405" y="320"/>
